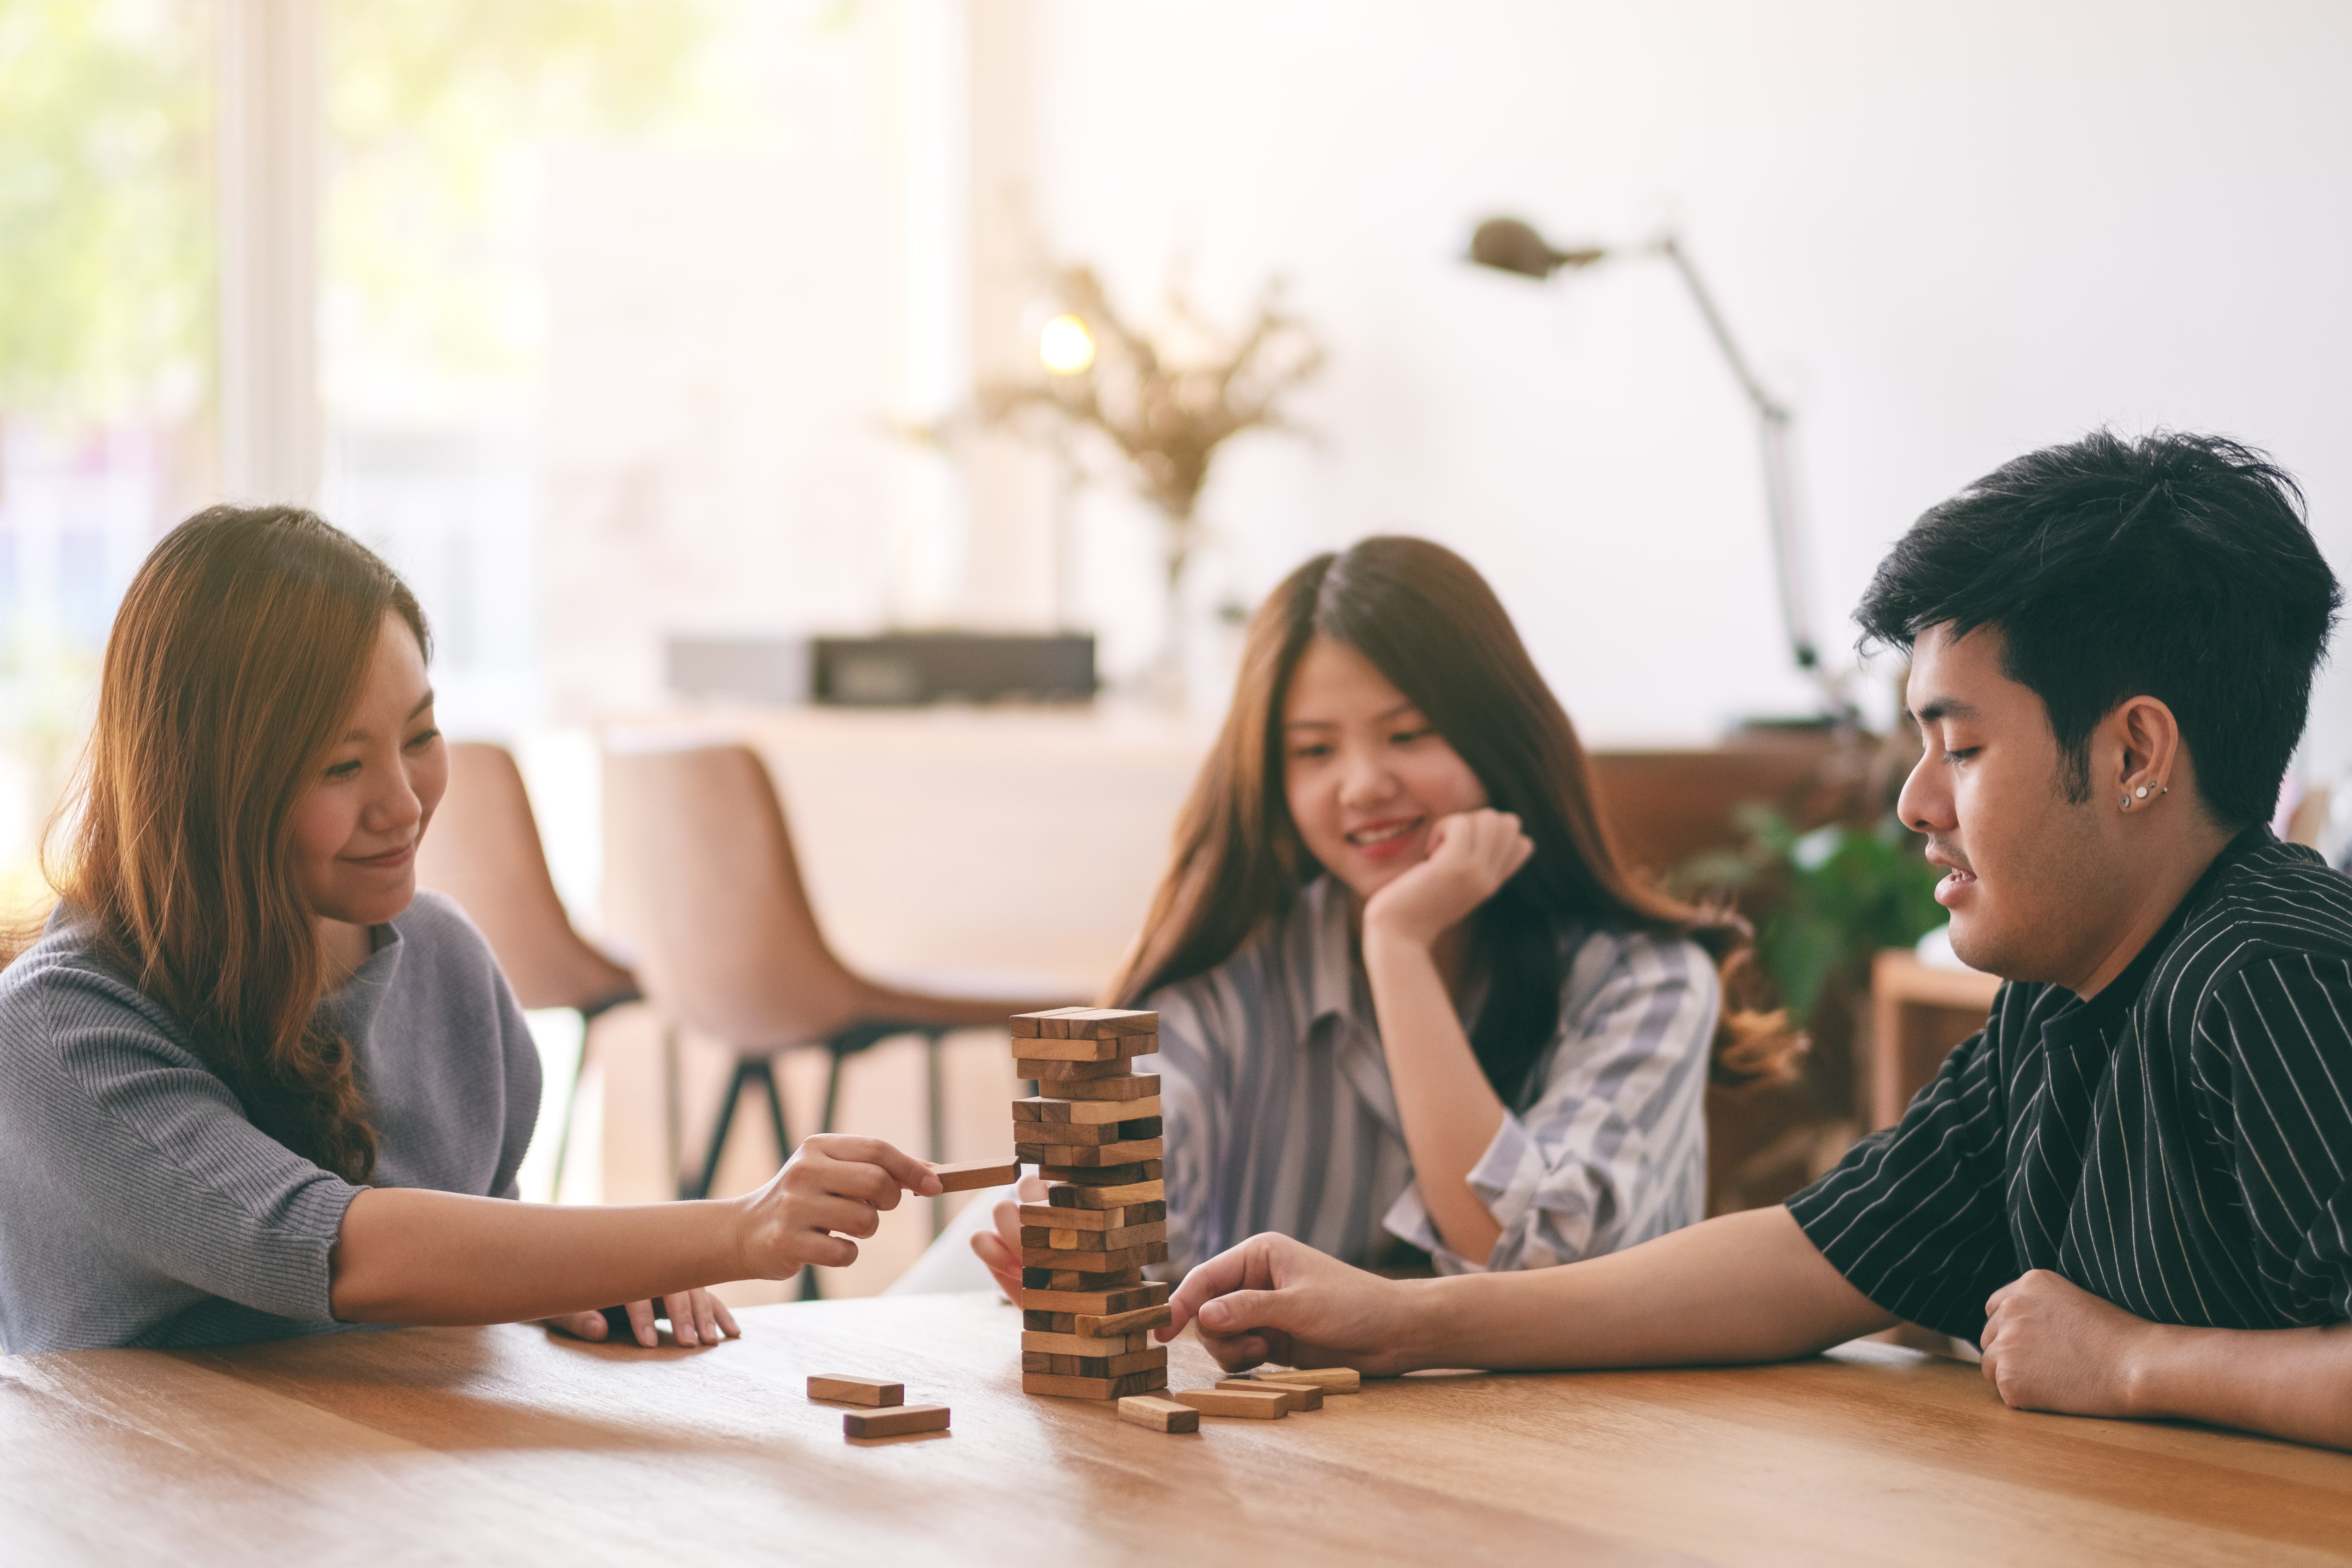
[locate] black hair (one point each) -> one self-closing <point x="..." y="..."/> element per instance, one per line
<point x="2174" y="566"/>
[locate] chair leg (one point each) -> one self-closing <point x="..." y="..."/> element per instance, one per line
<point x="832" y="1092"/>
<point x="933" y="1075"/>
<point x="746" y="1067"/>
<point x="673" y="1104"/>
<point x="570" y="1104"/>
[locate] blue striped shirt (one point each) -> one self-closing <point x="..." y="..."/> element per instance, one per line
<point x="1280" y="1115"/>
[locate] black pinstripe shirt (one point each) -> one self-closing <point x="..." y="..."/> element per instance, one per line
<point x="2179" y="1143"/>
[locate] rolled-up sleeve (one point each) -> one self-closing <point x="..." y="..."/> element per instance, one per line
<point x="1614" y="1152"/>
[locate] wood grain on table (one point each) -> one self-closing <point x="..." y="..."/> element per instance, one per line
<point x="507" y="1445"/>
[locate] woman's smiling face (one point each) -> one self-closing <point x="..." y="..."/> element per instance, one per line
<point x="1365" y="775"/>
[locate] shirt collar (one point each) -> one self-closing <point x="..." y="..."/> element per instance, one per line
<point x="1330" y="986"/>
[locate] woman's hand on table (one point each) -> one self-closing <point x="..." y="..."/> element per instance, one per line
<point x="696" y="1318"/>
<point x="1000" y="1248"/>
<point x="1471" y="855"/>
<point x="834" y="1187"/>
<point x="1273" y="1297"/>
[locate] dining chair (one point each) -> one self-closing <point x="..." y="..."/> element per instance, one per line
<point x="702" y="879"/>
<point x="484" y="850"/>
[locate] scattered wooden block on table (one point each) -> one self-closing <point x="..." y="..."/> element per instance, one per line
<point x="1085" y="1195"/>
<point x="896" y="1423"/>
<point x="1330" y="1379"/>
<point x="1302" y="1395"/>
<point x="1159" y="1415"/>
<point x="1141" y="1321"/>
<point x="1093" y="1387"/>
<point x="857" y="1390"/>
<point x="1270" y="1406"/>
<point x="1103" y="1303"/>
<point x="966" y="1175"/>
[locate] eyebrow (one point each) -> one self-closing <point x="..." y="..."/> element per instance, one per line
<point x="1945" y="708"/>
<point x="422" y="704"/>
<point x="1404" y="707"/>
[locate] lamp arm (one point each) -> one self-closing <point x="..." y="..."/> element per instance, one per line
<point x="1789" y="552"/>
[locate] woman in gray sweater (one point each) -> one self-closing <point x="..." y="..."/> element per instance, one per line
<point x="252" y="1084"/>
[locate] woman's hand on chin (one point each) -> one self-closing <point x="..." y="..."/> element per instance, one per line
<point x="1471" y="855"/>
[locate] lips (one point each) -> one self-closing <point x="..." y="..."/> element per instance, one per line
<point x="1383" y="832"/>
<point x="388" y="860"/>
<point x="1957" y="879"/>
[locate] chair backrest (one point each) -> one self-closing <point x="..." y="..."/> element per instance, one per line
<point x="701" y="881"/>
<point x="483" y="850"/>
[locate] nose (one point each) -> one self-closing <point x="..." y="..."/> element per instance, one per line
<point x="1365" y="778"/>
<point x="395" y="809"/>
<point x="1926" y="802"/>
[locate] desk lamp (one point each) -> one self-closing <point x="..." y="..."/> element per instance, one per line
<point x="1510" y="246"/>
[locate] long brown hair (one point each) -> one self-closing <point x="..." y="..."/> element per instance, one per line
<point x="1433" y="626"/>
<point x="235" y="659"/>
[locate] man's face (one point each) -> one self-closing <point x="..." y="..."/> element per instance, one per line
<point x="2035" y="884"/>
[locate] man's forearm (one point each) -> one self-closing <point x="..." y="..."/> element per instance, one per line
<point x="2288" y="1382"/>
<point x="408" y="1256"/>
<point x="1743" y="1287"/>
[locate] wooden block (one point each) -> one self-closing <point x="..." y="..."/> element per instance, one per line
<point x="1090" y="1262"/>
<point x="1054" y="1218"/>
<point x="1105" y="1175"/>
<point x="1100" y="1302"/>
<point x="1079" y="1134"/>
<point x="1110" y="1049"/>
<point x="1329" y="1379"/>
<point x="1093" y="1387"/>
<point x="894" y="1423"/>
<point x="1127" y="1151"/>
<point x="1159" y="1415"/>
<point x="1126" y="1086"/>
<point x="1054" y="1113"/>
<point x="1084" y="1023"/>
<point x="1033" y="1280"/>
<point x="966" y="1175"/>
<point x="1050" y="1322"/>
<point x="1086" y="1195"/>
<point x="861" y="1390"/>
<point x="1114" y="1343"/>
<point x="1302" y="1395"/>
<point x="1062" y="1078"/>
<point x="1271" y="1405"/>
<point x="1137" y="1321"/>
<point x="1095" y="1365"/>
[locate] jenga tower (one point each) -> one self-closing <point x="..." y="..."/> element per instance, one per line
<point x="1093" y="1133"/>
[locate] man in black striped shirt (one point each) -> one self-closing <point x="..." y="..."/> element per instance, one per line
<point x="2133" y="1188"/>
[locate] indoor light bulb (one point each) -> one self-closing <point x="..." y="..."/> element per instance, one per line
<point x="1066" y="347"/>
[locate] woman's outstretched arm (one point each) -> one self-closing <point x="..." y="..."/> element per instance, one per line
<point x="409" y="1255"/>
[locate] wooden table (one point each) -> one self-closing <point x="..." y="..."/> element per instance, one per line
<point x="506" y="1445"/>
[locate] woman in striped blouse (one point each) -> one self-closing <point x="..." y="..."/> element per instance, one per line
<point x="1408" y="999"/>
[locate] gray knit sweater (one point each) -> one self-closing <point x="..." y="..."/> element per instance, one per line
<point x="138" y="1206"/>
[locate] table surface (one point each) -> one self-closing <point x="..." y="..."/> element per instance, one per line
<point x="507" y="1444"/>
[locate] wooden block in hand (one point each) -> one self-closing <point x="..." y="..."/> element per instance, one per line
<point x="1329" y="1379"/>
<point x="1270" y="1406"/>
<point x="896" y="1423"/>
<point x="1160" y="1415"/>
<point x="1083" y="1023"/>
<point x="1102" y="1303"/>
<point x="1094" y="1387"/>
<point x="1054" y="1112"/>
<point x="970" y="1175"/>
<point x="1087" y="1196"/>
<point x="1303" y="1396"/>
<point x="1141" y="1320"/>
<point x="859" y="1390"/>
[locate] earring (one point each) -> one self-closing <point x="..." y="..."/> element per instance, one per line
<point x="2141" y="793"/>
<point x="2126" y="803"/>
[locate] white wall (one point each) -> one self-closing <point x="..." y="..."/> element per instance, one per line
<point x="1949" y="234"/>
